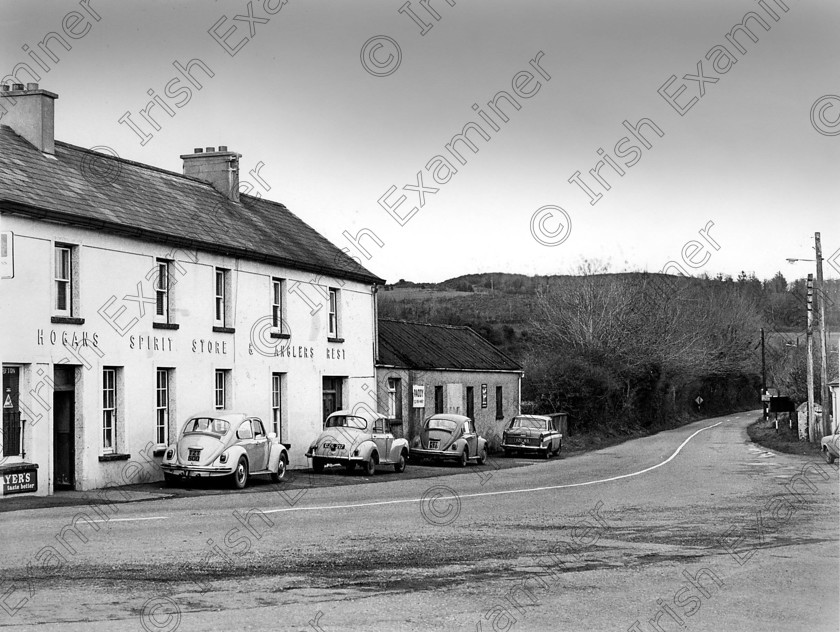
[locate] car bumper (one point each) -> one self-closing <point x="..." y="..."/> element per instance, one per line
<point x="188" y="471"/>
<point x="334" y="458"/>
<point x="434" y="454"/>
<point x="524" y="448"/>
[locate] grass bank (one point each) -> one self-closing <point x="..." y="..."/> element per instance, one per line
<point x="785" y="440"/>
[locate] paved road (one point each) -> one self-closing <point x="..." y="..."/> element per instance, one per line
<point x="691" y="529"/>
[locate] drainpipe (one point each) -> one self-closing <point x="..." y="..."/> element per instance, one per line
<point x="375" y="300"/>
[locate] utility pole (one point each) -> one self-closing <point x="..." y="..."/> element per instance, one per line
<point x="824" y="397"/>
<point x="809" y="334"/>
<point x="763" y="378"/>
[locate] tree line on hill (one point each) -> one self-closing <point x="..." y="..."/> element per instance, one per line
<point x="633" y="350"/>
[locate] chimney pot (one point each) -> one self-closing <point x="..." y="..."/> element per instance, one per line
<point x="4" y="88"/>
<point x="222" y="147"/>
<point x="31" y="114"/>
<point x="221" y="171"/>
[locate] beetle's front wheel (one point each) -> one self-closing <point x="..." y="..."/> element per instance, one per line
<point x="277" y="476"/>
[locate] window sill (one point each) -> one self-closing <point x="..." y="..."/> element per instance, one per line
<point x="335" y="339"/>
<point x="67" y="320"/>
<point x="165" y="326"/>
<point x="224" y="330"/>
<point x="284" y="336"/>
<point x="114" y="457"/>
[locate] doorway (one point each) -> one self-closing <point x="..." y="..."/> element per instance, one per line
<point x="64" y="427"/>
<point x="332" y="395"/>
<point x="11" y="437"/>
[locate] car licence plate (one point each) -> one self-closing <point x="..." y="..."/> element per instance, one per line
<point x="194" y="454"/>
<point x="434" y="444"/>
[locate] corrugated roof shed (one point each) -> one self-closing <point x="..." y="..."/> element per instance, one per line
<point x="423" y="346"/>
<point x="123" y="197"/>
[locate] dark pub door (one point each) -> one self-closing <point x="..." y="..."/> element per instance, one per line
<point x="11" y="414"/>
<point x="332" y="395"/>
<point x="64" y="427"/>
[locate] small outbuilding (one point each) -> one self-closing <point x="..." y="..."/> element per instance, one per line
<point x="424" y="369"/>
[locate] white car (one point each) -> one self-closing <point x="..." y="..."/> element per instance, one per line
<point x="223" y="443"/>
<point x="358" y="438"/>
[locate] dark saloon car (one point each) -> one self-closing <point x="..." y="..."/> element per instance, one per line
<point x="537" y="434"/>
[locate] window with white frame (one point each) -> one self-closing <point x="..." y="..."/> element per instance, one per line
<point x="221" y="297"/>
<point x="277" y="405"/>
<point x="162" y="291"/>
<point x="333" y="313"/>
<point x="162" y="406"/>
<point x="109" y="410"/>
<point x="277" y="304"/>
<point x="394" y="398"/>
<point x="222" y="387"/>
<point x="63" y="279"/>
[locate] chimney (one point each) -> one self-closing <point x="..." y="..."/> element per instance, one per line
<point x="219" y="168"/>
<point x="30" y="112"/>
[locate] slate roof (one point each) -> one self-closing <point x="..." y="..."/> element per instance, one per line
<point x="103" y="192"/>
<point x="423" y="346"/>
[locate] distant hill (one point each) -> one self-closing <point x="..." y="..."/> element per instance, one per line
<point x="500" y="305"/>
<point x="497" y="305"/>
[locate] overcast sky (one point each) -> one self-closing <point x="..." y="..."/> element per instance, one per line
<point x="338" y="123"/>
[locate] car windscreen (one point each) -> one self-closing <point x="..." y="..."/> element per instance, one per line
<point x="527" y="422"/>
<point x="441" y="424"/>
<point x="206" y="425"/>
<point x="346" y="421"/>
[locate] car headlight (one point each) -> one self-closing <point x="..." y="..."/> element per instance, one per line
<point x="223" y="458"/>
<point x="170" y="453"/>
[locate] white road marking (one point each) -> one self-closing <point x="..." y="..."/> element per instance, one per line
<point x="500" y="493"/>
<point x="131" y="519"/>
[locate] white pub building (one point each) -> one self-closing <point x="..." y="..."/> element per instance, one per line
<point x="133" y="297"/>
